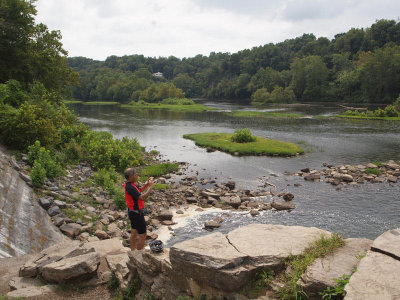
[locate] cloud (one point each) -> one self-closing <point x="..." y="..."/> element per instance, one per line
<point x="185" y="28"/>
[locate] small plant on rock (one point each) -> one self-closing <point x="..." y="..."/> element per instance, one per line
<point x="337" y="292"/>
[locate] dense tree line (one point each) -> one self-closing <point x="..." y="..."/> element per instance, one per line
<point x="361" y="65"/>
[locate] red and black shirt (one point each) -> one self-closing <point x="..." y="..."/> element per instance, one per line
<point x="132" y="193"/>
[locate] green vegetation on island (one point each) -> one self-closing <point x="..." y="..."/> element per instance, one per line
<point x="259" y="146"/>
<point x="175" y="104"/>
<point x="265" y="114"/>
<point x="390" y="112"/>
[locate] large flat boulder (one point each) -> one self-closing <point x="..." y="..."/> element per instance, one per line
<point x="388" y="243"/>
<point x="107" y="247"/>
<point x="267" y="245"/>
<point x="211" y="261"/>
<point x="67" y="269"/>
<point x="49" y="255"/>
<point x="377" y="277"/>
<point x="320" y="274"/>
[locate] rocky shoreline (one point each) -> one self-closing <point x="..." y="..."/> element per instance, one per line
<point x="354" y="175"/>
<point x="84" y="211"/>
<point x="217" y="266"/>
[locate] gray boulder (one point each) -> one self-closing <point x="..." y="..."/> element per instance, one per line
<point x="266" y="245"/>
<point x="71" y="229"/>
<point x="233" y="201"/>
<point x="320" y="274"/>
<point x="377" y="277"/>
<point x="278" y="205"/>
<point x="165" y="215"/>
<point x="211" y="260"/>
<point x="388" y="243"/>
<point x="54" y="210"/>
<point x="82" y="267"/>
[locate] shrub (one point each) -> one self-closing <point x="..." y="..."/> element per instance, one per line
<point x="102" y="151"/>
<point x="243" y="136"/>
<point x="396" y="104"/>
<point x="177" y="101"/>
<point x="44" y="165"/>
<point x="159" y="170"/>
<point x="38" y="174"/>
<point x="372" y="171"/>
<point x="119" y="199"/>
<point x="390" y="111"/>
<point x="107" y="179"/>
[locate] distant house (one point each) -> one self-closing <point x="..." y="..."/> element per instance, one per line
<point x="158" y="75"/>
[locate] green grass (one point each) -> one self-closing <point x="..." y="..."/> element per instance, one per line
<point x="372" y="171"/>
<point x="161" y="186"/>
<point x="298" y="264"/>
<point x="158" y="170"/>
<point x="154" y="152"/>
<point x="258" y="284"/>
<point x="368" y="118"/>
<point x="254" y="114"/>
<point x="75" y="213"/>
<point x="100" y="103"/>
<point x="72" y="101"/>
<point x="222" y="141"/>
<point x="174" y="107"/>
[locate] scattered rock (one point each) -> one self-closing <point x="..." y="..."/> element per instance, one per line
<point x="165" y="215"/>
<point x="288" y="197"/>
<point x="254" y="212"/>
<point x="233" y="201"/>
<point x="45" y="203"/>
<point x="101" y="234"/>
<point x="211" y="225"/>
<point x="282" y="205"/>
<point x="71" y="230"/>
<point x="54" y="210"/>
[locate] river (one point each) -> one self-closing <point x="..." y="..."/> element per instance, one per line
<point x="353" y="211"/>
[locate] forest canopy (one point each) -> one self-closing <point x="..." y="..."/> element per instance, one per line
<point x="361" y="65"/>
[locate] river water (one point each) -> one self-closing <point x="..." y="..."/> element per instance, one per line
<point x="363" y="211"/>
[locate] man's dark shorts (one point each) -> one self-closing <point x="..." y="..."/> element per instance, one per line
<point x="137" y="221"/>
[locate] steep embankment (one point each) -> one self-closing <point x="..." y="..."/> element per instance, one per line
<point x="24" y="226"/>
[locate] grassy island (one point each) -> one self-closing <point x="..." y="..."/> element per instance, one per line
<point x="260" y="146"/>
<point x="175" y="104"/>
<point x="265" y="114"/>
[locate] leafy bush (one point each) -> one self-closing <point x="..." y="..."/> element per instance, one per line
<point x="21" y="127"/>
<point x="107" y="179"/>
<point x="243" y="136"/>
<point x="388" y="111"/>
<point x="119" y="199"/>
<point x="102" y="151"/>
<point x="159" y="170"/>
<point x="38" y="174"/>
<point x="44" y="165"/>
<point x="396" y="104"/>
<point x="177" y="101"/>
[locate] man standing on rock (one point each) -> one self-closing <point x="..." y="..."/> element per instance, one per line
<point x="134" y="198"/>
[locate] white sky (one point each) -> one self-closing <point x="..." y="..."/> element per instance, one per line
<point x="184" y="28"/>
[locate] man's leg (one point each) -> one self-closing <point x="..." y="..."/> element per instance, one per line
<point x="142" y="238"/>
<point x="134" y="235"/>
